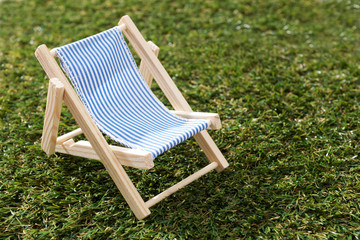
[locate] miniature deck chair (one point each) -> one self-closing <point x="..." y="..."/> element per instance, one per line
<point x="113" y="98"/>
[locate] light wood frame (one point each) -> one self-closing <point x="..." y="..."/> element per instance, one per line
<point x="96" y="147"/>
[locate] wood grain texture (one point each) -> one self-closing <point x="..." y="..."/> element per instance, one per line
<point x="128" y="157"/>
<point x="52" y="115"/>
<point x="94" y="136"/>
<point x="143" y="69"/>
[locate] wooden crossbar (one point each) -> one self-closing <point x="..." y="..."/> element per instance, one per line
<point x="180" y="184"/>
<point x="122" y="27"/>
<point x="69" y="135"/>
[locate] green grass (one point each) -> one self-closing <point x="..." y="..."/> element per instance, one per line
<point x="284" y="77"/>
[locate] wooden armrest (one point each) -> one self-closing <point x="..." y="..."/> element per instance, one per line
<point x="129" y="157"/>
<point x="213" y="118"/>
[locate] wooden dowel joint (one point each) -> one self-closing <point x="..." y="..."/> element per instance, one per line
<point x="122" y="27"/>
<point x="53" y="52"/>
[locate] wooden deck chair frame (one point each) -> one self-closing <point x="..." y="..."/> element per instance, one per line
<point x="114" y="157"/>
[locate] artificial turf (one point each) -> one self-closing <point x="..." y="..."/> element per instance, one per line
<point x="284" y="76"/>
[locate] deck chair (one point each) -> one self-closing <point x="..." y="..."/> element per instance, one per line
<point x="113" y="97"/>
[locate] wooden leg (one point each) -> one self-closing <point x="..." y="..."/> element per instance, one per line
<point x="210" y="149"/>
<point x="52" y="115"/>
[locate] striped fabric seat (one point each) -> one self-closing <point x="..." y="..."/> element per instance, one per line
<point x="112" y="89"/>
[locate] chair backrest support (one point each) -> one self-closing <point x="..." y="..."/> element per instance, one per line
<point x="155" y="67"/>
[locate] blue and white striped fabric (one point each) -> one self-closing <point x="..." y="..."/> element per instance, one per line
<point x="111" y="87"/>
